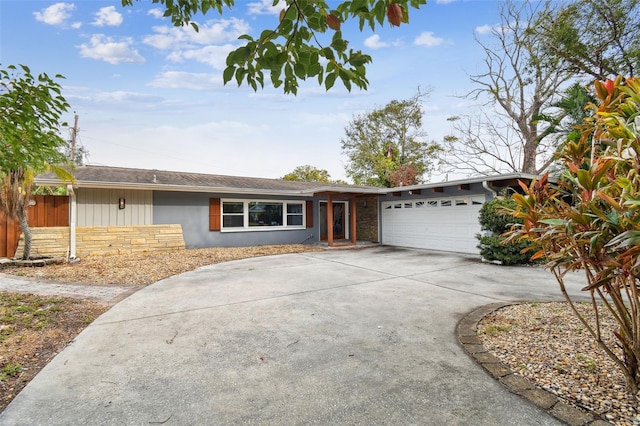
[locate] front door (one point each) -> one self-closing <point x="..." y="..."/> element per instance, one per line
<point x="339" y="220"/>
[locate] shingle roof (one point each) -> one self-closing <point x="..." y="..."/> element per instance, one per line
<point x="163" y="180"/>
<point x="118" y="177"/>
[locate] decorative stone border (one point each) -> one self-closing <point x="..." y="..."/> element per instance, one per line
<point x="5" y="263"/>
<point x="550" y="403"/>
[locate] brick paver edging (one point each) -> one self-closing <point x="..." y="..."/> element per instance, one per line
<point x="469" y="340"/>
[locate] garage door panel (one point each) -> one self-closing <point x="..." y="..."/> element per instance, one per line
<point x="447" y="227"/>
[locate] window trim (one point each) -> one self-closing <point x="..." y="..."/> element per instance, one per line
<point x="245" y="213"/>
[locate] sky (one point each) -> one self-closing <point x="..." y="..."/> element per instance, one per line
<point x="150" y="95"/>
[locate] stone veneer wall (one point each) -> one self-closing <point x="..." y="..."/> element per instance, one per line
<point x="367" y="226"/>
<point x="104" y="240"/>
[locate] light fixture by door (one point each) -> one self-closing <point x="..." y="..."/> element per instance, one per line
<point x="121" y="203"/>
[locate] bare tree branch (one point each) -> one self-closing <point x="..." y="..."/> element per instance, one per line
<point x="522" y="85"/>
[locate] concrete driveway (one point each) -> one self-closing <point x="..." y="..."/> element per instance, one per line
<point x="334" y="337"/>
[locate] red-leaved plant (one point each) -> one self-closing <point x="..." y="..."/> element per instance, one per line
<point x="590" y="219"/>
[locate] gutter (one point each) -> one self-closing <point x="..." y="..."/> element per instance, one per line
<point x="485" y="185"/>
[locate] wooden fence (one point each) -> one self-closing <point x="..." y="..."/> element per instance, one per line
<point x="48" y="210"/>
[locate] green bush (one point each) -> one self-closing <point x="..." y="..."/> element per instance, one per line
<point x="496" y="222"/>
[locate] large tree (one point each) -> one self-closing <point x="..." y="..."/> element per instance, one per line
<point x="30" y="116"/>
<point x="308" y="173"/>
<point x="297" y="47"/>
<point x="596" y="39"/>
<point x="387" y="140"/>
<point x="519" y="86"/>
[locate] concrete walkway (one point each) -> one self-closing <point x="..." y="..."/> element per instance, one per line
<point x="336" y="337"/>
<point x="107" y="295"/>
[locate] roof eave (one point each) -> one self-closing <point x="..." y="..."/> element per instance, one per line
<point x="477" y="179"/>
<point x="310" y="192"/>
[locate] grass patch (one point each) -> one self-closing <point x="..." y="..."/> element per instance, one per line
<point x="9" y="371"/>
<point x="26" y="311"/>
<point x="493" y="329"/>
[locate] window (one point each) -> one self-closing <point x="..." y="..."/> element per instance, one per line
<point x="432" y="203"/>
<point x="419" y="204"/>
<point x="461" y="202"/>
<point x="265" y="214"/>
<point x="294" y="214"/>
<point x="232" y="214"/>
<point x="445" y="203"/>
<point x="408" y="205"/>
<point x="262" y="215"/>
<point x="397" y="206"/>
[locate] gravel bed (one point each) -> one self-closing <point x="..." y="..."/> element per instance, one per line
<point x="143" y="268"/>
<point x="546" y="343"/>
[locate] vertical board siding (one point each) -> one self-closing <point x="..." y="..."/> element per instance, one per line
<point x="99" y="207"/>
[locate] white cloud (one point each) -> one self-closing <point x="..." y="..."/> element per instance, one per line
<point x="108" y="16"/>
<point x="76" y="25"/>
<point x="214" y="56"/>
<point x="185" y="80"/>
<point x="373" y="42"/>
<point x="484" y="29"/>
<point x="211" y="32"/>
<point x="428" y="39"/>
<point x="265" y="7"/>
<point x="156" y="13"/>
<point x="56" y="14"/>
<point x="121" y="96"/>
<point x="104" y="48"/>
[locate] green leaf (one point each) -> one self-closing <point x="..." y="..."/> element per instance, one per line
<point x="553" y="222"/>
<point x="357" y="59"/>
<point x="329" y="80"/>
<point x="242" y="54"/>
<point x="314" y="69"/>
<point x="626" y="239"/>
<point x="227" y="75"/>
<point x="338" y="44"/>
<point x="300" y="71"/>
<point x="328" y="53"/>
<point x="240" y="74"/>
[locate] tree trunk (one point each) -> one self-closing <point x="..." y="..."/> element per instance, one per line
<point x="26" y="231"/>
<point x="529" y="155"/>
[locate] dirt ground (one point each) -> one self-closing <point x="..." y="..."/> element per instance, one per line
<point x="33" y="329"/>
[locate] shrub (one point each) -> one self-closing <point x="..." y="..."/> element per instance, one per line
<point x="496" y="220"/>
<point x="590" y="220"/>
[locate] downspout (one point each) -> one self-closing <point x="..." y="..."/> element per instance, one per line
<point x="485" y="185"/>
<point x="72" y="222"/>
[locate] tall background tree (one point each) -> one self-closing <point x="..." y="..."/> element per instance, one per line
<point x="31" y="108"/>
<point x="596" y="39"/>
<point x="387" y="140"/>
<point x="298" y="48"/>
<point x="308" y="173"/>
<point x="520" y="84"/>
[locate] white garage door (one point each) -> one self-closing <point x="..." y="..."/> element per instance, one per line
<point x="448" y="224"/>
